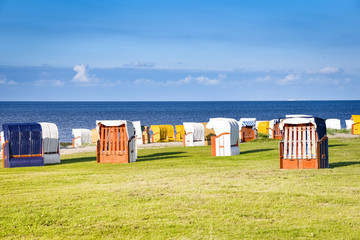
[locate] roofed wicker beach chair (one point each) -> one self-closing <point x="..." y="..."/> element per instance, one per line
<point x="305" y="144"/>
<point x="194" y="134"/>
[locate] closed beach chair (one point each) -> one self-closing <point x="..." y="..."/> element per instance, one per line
<point x="226" y="141"/>
<point x="208" y="134"/>
<point x="262" y="127"/>
<point x="194" y="134"/>
<point x="162" y="133"/>
<point x="117" y="143"/>
<point x="333" y="123"/>
<point x="51" y="143"/>
<point x="23" y="145"/>
<point x="274" y="129"/>
<point x="94" y="136"/>
<point x="349" y="123"/>
<point x="138" y="132"/>
<point x="355" y="128"/>
<point x="305" y="144"/>
<point x="180" y="131"/>
<point x="81" y="136"/>
<point x="247" y="129"/>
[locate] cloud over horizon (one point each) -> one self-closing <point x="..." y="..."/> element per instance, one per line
<point x="82" y="75"/>
<point x="325" y="70"/>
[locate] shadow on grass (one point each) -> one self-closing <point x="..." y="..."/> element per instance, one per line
<point x="342" y="164"/>
<point x="158" y="156"/>
<point x="256" y="150"/>
<point x="338" y="145"/>
<point x="77" y="160"/>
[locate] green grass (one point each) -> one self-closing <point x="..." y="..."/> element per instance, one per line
<point x="184" y="193"/>
<point x="330" y="131"/>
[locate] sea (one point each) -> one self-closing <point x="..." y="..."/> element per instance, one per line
<point x="69" y="115"/>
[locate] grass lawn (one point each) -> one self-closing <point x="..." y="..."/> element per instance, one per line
<point x="184" y="193"/>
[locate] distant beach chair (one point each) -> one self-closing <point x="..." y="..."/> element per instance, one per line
<point x="208" y="134"/>
<point x="23" y="145"/>
<point x="51" y="143"/>
<point x="146" y="134"/>
<point x="274" y="129"/>
<point x="247" y="129"/>
<point x="194" y="134"/>
<point x="355" y="128"/>
<point x="94" y="136"/>
<point x="138" y="132"/>
<point x="305" y="144"/>
<point x="180" y="131"/>
<point x="81" y="136"/>
<point x="333" y="123"/>
<point x="162" y="133"/>
<point x="117" y="143"/>
<point x="349" y="123"/>
<point x="262" y="127"/>
<point x="226" y="141"/>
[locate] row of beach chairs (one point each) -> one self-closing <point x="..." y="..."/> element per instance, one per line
<point x="304" y="143"/>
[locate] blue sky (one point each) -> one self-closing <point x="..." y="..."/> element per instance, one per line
<point x="179" y="50"/>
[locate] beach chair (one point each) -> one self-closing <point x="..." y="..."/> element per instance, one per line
<point x="117" y="143"/>
<point x="94" y="136"/>
<point x="226" y="141"/>
<point x="247" y="129"/>
<point x="162" y="133"/>
<point x="274" y="129"/>
<point x="208" y="134"/>
<point x="305" y="144"/>
<point x="81" y="136"/>
<point x="349" y="123"/>
<point x="262" y="127"/>
<point x="23" y="145"/>
<point x="146" y="134"/>
<point x="194" y="134"/>
<point x="333" y="123"/>
<point x="51" y="143"/>
<point x="180" y="131"/>
<point x="355" y="128"/>
<point x="138" y="132"/>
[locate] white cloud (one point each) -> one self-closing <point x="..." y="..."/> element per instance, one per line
<point x="55" y="83"/>
<point x="289" y="79"/>
<point x="138" y="64"/>
<point x="4" y="81"/>
<point x="326" y="70"/>
<point x="145" y="81"/>
<point x="82" y="75"/>
<point x="200" y="80"/>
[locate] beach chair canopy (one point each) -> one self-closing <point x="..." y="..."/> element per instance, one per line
<point x="356" y="118"/>
<point x="50" y="135"/>
<point x="319" y="123"/>
<point x="1" y="139"/>
<point x="247" y="122"/>
<point x="84" y="134"/>
<point x="197" y="129"/>
<point x="333" y="123"/>
<point x="349" y="123"/>
<point x="24" y="138"/>
<point x="130" y="130"/>
<point x="273" y="122"/>
<point x="225" y="125"/>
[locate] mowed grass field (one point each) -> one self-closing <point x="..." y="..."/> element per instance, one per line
<point x="185" y="193"/>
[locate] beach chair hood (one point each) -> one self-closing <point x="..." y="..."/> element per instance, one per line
<point x="197" y="129"/>
<point x="225" y="125"/>
<point x="130" y="130"/>
<point x="247" y="122"/>
<point x="305" y="119"/>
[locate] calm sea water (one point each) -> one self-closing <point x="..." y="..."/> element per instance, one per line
<point x="68" y="115"/>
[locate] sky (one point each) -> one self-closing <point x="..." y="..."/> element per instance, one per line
<point x="179" y="50"/>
